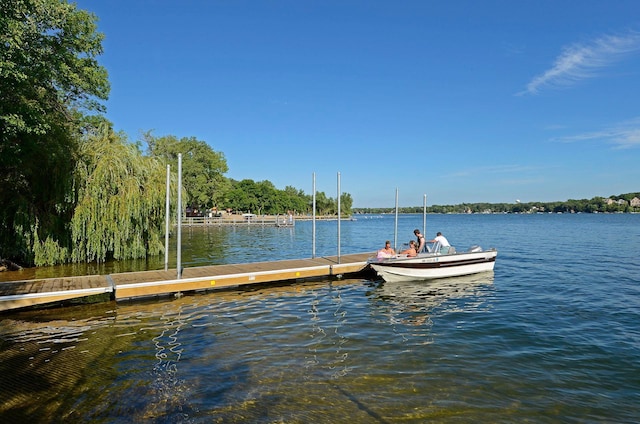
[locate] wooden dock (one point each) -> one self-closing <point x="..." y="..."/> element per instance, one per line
<point x="254" y="220"/>
<point x="131" y="285"/>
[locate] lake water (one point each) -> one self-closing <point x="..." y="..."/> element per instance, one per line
<point x="552" y="335"/>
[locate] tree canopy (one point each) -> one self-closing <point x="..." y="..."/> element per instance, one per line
<point x="203" y="168"/>
<point x="120" y="208"/>
<point x="49" y="80"/>
<point x="72" y="189"/>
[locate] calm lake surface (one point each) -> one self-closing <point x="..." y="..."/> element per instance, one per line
<point x="552" y="335"/>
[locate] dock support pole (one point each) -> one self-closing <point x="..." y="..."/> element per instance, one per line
<point x="395" y="233"/>
<point x="313" y="220"/>
<point x="166" y="222"/>
<point x="338" y="217"/>
<point x="179" y="216"/>
<point x="424" y="217"/>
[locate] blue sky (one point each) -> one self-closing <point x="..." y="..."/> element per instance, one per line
<point x="464" y="101"/>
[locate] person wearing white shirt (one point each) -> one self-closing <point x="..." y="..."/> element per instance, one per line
<point x="440" y="239"/>
<point x="440" y="244"/>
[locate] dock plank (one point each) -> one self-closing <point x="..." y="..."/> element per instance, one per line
<point x="18" y="294"/>
<point x="220" y="276"/>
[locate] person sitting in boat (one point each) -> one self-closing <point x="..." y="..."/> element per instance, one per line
<point x="411" y="251"/>
<point x="420" y="241"/>
<point x="387" y="251"/>
<point x="441" y="244"/>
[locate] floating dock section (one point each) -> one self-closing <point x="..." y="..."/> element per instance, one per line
<point x="131" y="285"/>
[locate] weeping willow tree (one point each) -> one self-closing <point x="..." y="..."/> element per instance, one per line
<point x="49" y="77"/>
<point x="120" y="211"/>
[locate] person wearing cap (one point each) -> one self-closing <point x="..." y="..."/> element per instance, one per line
<point x="440" y="241"/>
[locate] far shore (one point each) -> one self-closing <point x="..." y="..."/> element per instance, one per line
<point x="230" y="217"/>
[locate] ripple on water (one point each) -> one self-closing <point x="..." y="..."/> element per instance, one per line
<point x="551" y="336"/>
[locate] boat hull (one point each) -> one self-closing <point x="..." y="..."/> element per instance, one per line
<point x="431" y="266"/>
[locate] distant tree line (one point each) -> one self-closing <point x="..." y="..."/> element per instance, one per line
<point x="263" y="198"/>
<point x="206" y="188"/>
<point x="613" y="204"/>
<point x="71" y="188"/>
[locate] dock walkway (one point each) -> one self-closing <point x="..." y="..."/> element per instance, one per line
<point x="130" y="285"/>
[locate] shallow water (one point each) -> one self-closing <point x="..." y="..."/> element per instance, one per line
<point x="552" y="335"/>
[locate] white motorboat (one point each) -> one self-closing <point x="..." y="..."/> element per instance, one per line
<point x="436" y="264"/>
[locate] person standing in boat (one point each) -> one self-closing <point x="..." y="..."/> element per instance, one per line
<point x="441" y="241"/>
<point x="420" y="241"/>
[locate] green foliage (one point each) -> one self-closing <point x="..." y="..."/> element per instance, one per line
<point x="259" y="198"/>
<point x="295" y="200"/>
<point x="47" y="64"/>
<point x="202" y="167"/>
<point x="70" y="192"/>
<point x="324" y="205"/>
<point x="121" y="201"/>
<point x="346" y="204"/>
<point x="329" y="206"/>
<point x="594" y="205"/>
<point x="48" y="252"/>
<point x="263" y="198"/>
<point x="206" y="186"/>
<point x="48" y="76"/>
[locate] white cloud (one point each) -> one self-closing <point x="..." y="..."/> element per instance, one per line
<point x="625" y="135"/>
<point x="580" y="61"/>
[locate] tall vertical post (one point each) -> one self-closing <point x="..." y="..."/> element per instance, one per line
<point x="167" y="221"/>
<point x="424" y="217"/>
<point x="313" y="220"/>
<point x="395" y="233"/>
<point x="338" y="217"/>
<point x="179" y="216"/>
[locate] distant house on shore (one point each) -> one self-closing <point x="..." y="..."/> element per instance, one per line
<point x="635" y="202"/>
<point x="620" y="202"/>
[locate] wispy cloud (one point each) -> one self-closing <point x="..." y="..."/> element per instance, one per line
<point x="623" y="136"/>
<point x="580" y="61"/>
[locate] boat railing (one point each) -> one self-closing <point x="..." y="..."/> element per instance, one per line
<point x="438" y="249"/>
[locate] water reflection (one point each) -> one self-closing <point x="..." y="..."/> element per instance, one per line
<point x="433" y="293"/>
<point x="202" y="246"/>
<point x="168" y="390"/>
<point x="233" y="352"/>
<point x="416" y="302"/>
<point x="551" y="339"/>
